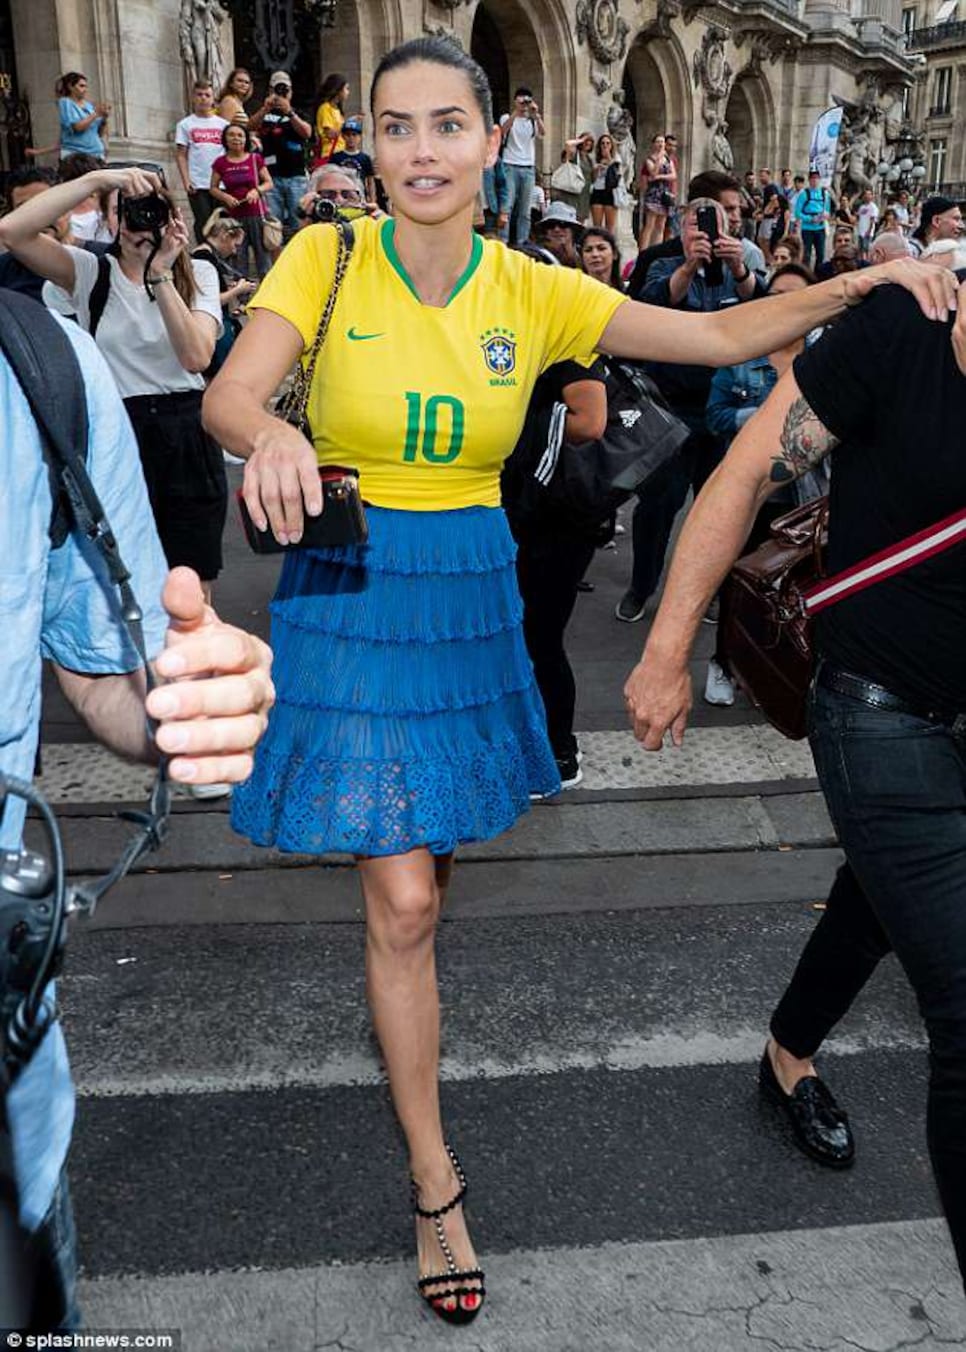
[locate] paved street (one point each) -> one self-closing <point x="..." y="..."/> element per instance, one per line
<point x="607" y="971"/>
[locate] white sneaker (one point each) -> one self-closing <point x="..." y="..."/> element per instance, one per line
<point x="206" y="791"/>
<point x="718" y="688"/>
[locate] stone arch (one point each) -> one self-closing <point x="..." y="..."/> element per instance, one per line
<point x="529" y="42"/>
<point x="366" y="30"/>
<point x="657" y="90"/>
<point x="742" y="129"/>
<point x="752" y="125"/>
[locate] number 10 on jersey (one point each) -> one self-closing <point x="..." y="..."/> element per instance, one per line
<point x="434" y="431"/>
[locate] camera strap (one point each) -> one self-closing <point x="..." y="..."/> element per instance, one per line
<point x="48" y="372"/>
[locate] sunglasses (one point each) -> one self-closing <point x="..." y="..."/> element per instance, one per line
<point x="339" y="195"/>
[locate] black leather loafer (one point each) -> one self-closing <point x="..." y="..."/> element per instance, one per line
<point x="820" y="1126"/>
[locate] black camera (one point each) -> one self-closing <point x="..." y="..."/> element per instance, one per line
<point x="324" y="212"/>
<point x="282" y="90"/>
<point x="150" y="212"/>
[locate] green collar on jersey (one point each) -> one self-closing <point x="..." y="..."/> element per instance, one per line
<point x="388" y="237"/>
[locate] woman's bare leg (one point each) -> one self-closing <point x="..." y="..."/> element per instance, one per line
<point x="597" y="214"/>
<point x="610" y="219"/>
<point x="402" y="899"/>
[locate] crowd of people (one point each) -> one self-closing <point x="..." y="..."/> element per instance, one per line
<point x="424" y="695"/>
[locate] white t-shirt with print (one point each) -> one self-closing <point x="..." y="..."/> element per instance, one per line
<point x="131" y="334"/>
<point x="202" y="136"/>
<point x="868" y="214"/>
<point x="519" y="146"/>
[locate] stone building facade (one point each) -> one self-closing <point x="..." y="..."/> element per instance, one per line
<point x="935" y="33"/>
<point x="739" y="81"/>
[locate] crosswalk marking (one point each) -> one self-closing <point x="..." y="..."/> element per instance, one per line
<point x="634" y="1053"/>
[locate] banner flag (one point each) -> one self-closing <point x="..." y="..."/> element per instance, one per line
<point x="824" y="148"/>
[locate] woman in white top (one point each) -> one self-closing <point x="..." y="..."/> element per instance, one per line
<point x="156" y="316"/>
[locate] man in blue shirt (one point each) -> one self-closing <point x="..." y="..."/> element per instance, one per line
<point x="56" y="604"/>
<point x="812" y="212"/>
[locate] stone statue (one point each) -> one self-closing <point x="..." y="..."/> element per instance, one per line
<point x="620" y="126"/>
<point x="199" y="31"/>
<point x="721" y="148"/>
<point x="861" y="142"/>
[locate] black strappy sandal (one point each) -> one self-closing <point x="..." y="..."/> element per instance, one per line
<point x="453" y="1280"/>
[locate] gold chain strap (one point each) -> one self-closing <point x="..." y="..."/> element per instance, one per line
<point x="293" y="406"/>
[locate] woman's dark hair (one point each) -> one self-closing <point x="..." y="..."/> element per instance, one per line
<point x="604" y="136"/>
<point x="791" y="270"/>
<point x="227" y="86"/>
<point x="438" y="52"/>
<point x="77" y="165"/>
<point x="236" y="126"/>
<point x="598" y="232"/>
<point x="332" y="87"/>
<point x="66" y="83"/>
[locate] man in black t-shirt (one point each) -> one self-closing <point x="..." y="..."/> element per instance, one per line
<point x="284" y="136"/>
<point x="887" y="389"/>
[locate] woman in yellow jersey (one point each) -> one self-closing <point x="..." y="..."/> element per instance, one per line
<point x="407" y="721"/>
<point x="330" y="116"/>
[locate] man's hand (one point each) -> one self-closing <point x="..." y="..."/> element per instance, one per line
<point x="729" y="250"/>
<point x="934" y="288"/>
<point x="697" y="250"/>
<point x="658" y="698"/>
<point x="216" y="707"/>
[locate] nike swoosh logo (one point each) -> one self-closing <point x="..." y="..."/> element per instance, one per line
<point x="362" y="337"/>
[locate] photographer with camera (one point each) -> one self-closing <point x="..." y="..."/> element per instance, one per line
<point x="519" y="130"/>
<point x="336" y="193"/>
<point x="155" y="315"/>
<point x="58" y="604"/>
<point x="284" y="136"/>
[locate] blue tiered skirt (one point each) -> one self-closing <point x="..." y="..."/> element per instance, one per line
<point x="407" y="712"/>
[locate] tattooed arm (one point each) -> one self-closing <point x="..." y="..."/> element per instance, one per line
<point x="658" y="690"/>
<point x="805" y="442"/>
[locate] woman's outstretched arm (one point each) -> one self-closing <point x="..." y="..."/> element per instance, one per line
<point x="724" y="338"/>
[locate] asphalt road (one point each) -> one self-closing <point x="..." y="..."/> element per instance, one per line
<point x="607" y="973"/>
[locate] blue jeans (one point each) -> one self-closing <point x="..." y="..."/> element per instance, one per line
<point x="519" y="185"/>
<point x="813" y="241"/>
<point x="284" y="198"/>
<point x="895" y="786"/>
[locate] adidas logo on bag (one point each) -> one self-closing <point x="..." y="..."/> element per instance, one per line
<point x="629" y="416"/>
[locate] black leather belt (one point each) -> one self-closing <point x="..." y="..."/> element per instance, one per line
<point x="877" y="697"/>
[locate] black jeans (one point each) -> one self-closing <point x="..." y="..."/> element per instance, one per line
<point x="660" y="503"/>
<point x="896" y="790"/>
<point x="551" y="561"/>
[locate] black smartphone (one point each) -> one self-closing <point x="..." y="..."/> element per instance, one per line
<point x="342" y="521"/>
<point x="707" y="222"/>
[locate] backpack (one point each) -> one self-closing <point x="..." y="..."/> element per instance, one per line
<point x="42" y="358"/>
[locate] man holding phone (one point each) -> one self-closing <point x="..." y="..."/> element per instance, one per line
<point x="284" y="137"/>
<point x="519" y="130"/>
<point x="716" y="270"/>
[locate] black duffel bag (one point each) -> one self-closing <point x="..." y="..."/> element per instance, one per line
<point x="584" y="483"/>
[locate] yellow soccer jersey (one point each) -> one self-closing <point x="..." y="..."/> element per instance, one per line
<point x="427" y="402"/>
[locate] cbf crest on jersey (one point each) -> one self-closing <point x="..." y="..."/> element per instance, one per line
<point x="499" y="347"/>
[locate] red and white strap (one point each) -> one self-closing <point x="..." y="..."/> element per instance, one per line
<point x="887" y="563"/>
